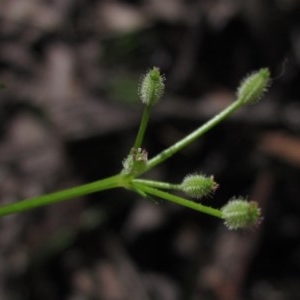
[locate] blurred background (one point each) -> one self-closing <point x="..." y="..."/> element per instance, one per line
<point x="69" y="113"/>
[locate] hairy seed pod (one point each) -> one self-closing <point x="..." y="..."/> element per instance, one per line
<point x="198" y="185"/>
<point x="152" y="86"/>
<point x="240" y="213"/>
<point x="254" y="86"/>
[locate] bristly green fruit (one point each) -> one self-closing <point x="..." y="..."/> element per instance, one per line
<point x="254" y="86"/>
<point x="152" y="86"/>
<point x="240" y="213"/>
<point x="198" y="185"/>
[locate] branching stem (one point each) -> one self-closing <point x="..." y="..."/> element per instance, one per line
<point x="179" y="200"/>
<point x="167" y="153"/>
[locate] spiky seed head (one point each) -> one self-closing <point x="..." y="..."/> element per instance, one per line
<point x="198" y="185"/>
<point x="152" y="86"/>
<point x="240" y="213"/>
<point x="254" y="86"/>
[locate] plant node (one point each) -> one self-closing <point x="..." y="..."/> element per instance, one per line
<point x="135" y="162"/>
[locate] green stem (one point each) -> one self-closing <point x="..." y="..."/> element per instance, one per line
<point x="157" y="184"/>
<point x="178" y="200"/>
<point x="167" y="153"/>
<point x="143" y="126"/>
<point x="85" y="189"/>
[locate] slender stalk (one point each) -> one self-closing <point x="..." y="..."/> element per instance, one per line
<point x="167" y="153"/>
<point x="157" y="184"/>
<point x="143" y="125"/>
<point x="178" y="200"/>
<point x="85" y="189"/>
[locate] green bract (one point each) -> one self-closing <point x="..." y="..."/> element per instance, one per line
<point x="135" y="162"/>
